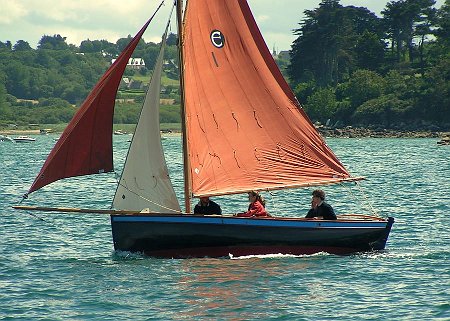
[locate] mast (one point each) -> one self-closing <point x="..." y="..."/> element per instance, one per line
<point x="186" y="172"/>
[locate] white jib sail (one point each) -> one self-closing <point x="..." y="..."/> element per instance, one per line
<point x="145" y="182"/>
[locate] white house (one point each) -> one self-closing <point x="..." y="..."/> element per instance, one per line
<point x="134" y="63"/>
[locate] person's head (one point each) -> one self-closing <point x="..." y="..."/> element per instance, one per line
<point x="204" y="200"/>
<point x="318" y="196"/>
<point x="254" y="196"/>
<point x="319" y="193"/>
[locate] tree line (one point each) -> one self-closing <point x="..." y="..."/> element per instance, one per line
<point x="46" y="84"/>
<point x="347" y="66"/>
<point x="350" y="66"/>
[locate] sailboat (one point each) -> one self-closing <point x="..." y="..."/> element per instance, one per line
<point x="242" y="130"/>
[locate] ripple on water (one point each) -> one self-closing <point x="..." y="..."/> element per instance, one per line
<point x="64" y="266"/>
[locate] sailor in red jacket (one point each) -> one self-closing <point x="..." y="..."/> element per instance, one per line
<point x="256" y="207"/>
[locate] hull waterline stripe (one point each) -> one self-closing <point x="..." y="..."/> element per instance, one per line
<point x="251" y="222"/>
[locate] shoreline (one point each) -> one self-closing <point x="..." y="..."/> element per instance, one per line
<point x="379" y="133"/>
<point x="325" y="132"/>
<point x="19" y="132"/>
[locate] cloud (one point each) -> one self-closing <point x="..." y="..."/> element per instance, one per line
<point x="12" y="11"/>
<point x="262" y="18"/>
<point x="79" y="20"/>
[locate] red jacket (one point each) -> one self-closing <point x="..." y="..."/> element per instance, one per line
<point x="254" y="209"/>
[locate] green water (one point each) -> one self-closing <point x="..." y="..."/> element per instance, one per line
<point x="62" y="266"/>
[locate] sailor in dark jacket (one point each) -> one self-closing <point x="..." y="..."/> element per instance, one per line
<point x="320" y="209"/>
<point x="207" y="207"/>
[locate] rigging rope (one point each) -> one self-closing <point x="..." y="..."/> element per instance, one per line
<point x="272" y="198"/>
<point x="367" y="203"/>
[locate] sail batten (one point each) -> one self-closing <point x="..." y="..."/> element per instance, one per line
<point x="245" y="127"/>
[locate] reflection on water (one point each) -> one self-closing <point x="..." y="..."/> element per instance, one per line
<point x="232" y="286"/>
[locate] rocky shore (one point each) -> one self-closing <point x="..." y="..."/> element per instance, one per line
<point x="353" y="132"/>
<point x="347" y="132"/>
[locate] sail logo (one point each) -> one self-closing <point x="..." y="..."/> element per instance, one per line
<point x="217" y="39"/>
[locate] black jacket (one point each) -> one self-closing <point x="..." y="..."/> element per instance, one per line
<point x="211" y="208"/>
<point x="325" y="210"/>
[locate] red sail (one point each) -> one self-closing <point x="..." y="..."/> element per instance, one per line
<point x="85" y="146"/>
<point x="245" y="129"/>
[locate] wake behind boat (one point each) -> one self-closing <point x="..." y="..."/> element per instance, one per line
<point x="24" y="139"/>
<point x="6" y="138"/>
<point x="242" y="128"/>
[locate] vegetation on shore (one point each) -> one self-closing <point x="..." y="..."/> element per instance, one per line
<point x="347" y="67"/>
<point x="352" y="67"/>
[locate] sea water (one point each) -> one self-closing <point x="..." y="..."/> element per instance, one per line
<point x="56" y="266"/>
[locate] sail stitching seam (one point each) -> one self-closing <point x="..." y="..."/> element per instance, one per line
<point x="234" y="117"/>
<point x="256" y="118"/>
<point x="235" y="158"/>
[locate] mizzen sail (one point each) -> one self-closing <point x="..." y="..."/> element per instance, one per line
<point x="145" y="182"/>
<point x="245" y="128"/>
<point x="85" y="146"/>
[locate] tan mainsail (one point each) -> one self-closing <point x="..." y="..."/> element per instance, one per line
<point x="245" y="129"/>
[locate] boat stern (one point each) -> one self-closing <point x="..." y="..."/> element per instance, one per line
<point x="380" y="244"/>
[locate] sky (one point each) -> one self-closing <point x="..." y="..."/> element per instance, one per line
<point x="78" y="20"/>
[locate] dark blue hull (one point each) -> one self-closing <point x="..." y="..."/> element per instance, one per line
<point x="183" y="236"/>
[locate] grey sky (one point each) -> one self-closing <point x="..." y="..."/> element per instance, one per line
<point x="79" y="20"/>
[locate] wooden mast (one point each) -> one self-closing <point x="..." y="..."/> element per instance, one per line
<point x="186" y="172"/>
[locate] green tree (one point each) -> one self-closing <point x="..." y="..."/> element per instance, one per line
<point x="442" y="31"/>
<point x="434" y="96"/>
<point x="304" y="89"/>
<point x="363" y="86"/>
<point x="46" y="59"/>
<point x="172" y="39"/>
<point x="404" y="20"/>
<point x="88" y="46"/>
<point x="384" y="110"/>
<point x="5" y="107"/>
<point x="6" y="45"/>
<point x="55" y="42"/>
<point x="370" y="50"/>
<point x="18" y="79"/>
<point x="321" y="105"/>
<point x="325" y="48"/>
<point x="21" y="45"/>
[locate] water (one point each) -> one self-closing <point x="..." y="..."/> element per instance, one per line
<point x="62" y="266"/>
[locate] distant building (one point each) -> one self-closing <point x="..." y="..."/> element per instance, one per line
<point x="134" y="63"/>
<point x="124" y="83"/>
<point x="135" y="84"/>
<point x="127" y="83"/>
<point x="282" y="55"/>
